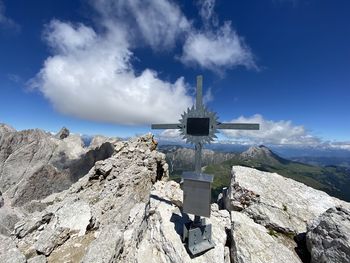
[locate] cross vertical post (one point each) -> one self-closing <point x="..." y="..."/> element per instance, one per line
<point x="198" y="126"/>
<point x="199" y="105"/>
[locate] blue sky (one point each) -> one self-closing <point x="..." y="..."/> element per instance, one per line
<point x="113" y="67"/>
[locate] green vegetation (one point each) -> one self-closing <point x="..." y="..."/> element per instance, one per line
<point x="272" y="232"/>
<point x="332" y="179"/>
<point x="285" y="208"/>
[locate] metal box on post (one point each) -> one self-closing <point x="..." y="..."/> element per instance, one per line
<point x="197" y="193"/>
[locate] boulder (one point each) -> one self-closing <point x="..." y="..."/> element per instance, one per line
<point x="253" y="243"/>
<point x="9" y="253"/>
<point x="328" y="236"/>
<point x="162" y="240"/>
<point x="275" y="201"/>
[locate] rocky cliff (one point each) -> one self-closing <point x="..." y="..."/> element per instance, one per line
<point x="35" y="164"/>
<point x="124" y="209"/>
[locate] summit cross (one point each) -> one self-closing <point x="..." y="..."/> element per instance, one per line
<point x="198" y="126"/>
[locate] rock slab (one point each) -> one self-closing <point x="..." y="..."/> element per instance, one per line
<point x="328" y="237"/>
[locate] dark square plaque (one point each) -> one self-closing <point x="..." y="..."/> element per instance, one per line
<point x="197" y="126"/>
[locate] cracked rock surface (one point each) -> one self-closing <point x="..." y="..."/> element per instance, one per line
<point x="328" y="236"/>
<point x="106" y="210"/>
<point x="273" y="217"/>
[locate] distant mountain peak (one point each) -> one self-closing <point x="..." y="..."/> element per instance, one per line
<point x="258" y="152"/>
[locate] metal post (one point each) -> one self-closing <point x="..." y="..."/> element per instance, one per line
<point x="198" y="158"/>
<point x="197" y="221"/>
<point x="199" y="92"/>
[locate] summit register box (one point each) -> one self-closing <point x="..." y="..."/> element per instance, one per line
<point x="197" y="193"/>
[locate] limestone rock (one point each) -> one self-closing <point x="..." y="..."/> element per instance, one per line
<point x="8" y="218"/>
<point x="162" y="241"/>
<point x="106" y="209"/>
<point x="35" y="164"/>
<point x="252" y="243"/>
<point x="50" y="239"/>
<point x="1" y="200"/>
<point x="63" y="133"/>
<point x="38" y="259"/>
<point x="105" y="247"/>
<point x="328" y="236"/>
<point x="275" y="201"/>
<point x="9" y="253"/>
<point x="98" y="140"/>
<point x="4" y="128"/>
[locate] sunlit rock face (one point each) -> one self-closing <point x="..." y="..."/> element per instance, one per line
<point x="35" y="164"/>
<point x="274" y="209"/>
<point x="73" y="224"/>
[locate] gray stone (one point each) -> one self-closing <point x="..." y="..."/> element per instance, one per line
<point x="106" y="247"/>
<point x="328" y="237"/>
<point x="26" y="227"/>
<point x="63" y="133"/>
<point x="252" y="243"/>
<point x="162" y="241"/>
<point x="35" y="164"/>
<point x="9" y="253"/>
<point x="37" y="259"/>
<point x="91" y="206"/>
<point x="8" y="218"/>
<point x="49" y="239"/>
<point x="275" y="201"/>
<point x="1" y="200"/>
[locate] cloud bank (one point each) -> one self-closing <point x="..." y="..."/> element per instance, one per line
<point x="272" y="132"/>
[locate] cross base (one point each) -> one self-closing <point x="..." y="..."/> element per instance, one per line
<point x="198" y="237"/>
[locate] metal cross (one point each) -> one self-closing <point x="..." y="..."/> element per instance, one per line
<point x="198" y="126"/>
<point x="218" y="125"/>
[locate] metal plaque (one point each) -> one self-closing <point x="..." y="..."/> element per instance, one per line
<point x="197" y="193"/>
<point x="198" y="126"/>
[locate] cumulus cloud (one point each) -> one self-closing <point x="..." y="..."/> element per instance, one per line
<point x="217" y="50"/>
<point x="272" y="132"/>
<point x="90" y="76"/>
<point x="215" y="47"/>
<point x="170" y="135"/>
<point x="5" y="21"/>
<point x="90" y="73"/>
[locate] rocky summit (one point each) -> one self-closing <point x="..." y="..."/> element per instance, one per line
<point x="125" y="208"/>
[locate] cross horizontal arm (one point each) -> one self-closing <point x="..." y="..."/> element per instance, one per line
<point x="238" y="126"/>
<point x="167" y="126"/>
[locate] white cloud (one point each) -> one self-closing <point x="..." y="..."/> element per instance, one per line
<point x="170" y="135"/>
<point x="206" y="11"/>
<point x="272" y="132"/>
<point x="90" y="73"/>
<point x="5" y="21"/>
<point x="217" y="50"/>
<point x="158" y="23"/>
<point x="90" y="76"/>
